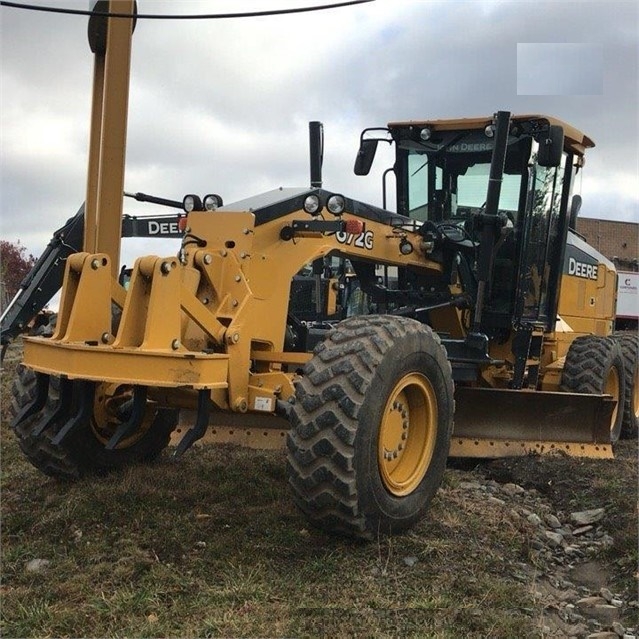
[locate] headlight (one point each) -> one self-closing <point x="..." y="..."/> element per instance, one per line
<point x="425" y="134"/>
<point x="312" y="204"/>
<point x="405" y="247"/>
<point x="212" y="201"/>
<point x="336" y="204"/>
<point x="191" y="203"/>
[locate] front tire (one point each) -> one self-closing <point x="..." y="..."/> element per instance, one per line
<point x="595" y="365"/>
<point x="371" y="427"/>
<point x="83" y="451"/>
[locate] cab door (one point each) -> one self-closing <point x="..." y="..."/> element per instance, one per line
<point x="541" y="245"/>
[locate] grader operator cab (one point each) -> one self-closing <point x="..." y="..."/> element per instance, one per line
<point x="459" y="351"/>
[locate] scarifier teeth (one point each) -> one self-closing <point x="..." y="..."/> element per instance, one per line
<point x="60" y="411"/>
<point x="83" y="393"/>
<point x="134" y="421"/>
<point x="201" y="423"/>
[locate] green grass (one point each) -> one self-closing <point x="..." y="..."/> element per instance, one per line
<point x="212" y="546"/>
<point x="165" y="543"/>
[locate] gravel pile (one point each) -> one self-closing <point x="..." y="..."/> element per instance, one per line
<point x="568" y="581"/>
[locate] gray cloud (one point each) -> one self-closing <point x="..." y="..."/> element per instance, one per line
<point x="223" y="106"/>
<point x="559" y="69"/>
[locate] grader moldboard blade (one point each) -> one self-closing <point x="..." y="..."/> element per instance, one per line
<point x="506" y="423"/>
<point x="251" y="430"/>
<point x="489" y="423"/>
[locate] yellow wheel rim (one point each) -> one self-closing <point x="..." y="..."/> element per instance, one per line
<point x="613" y="388"/>
<point x="407" y="434"/>
<point x="109" y="398"/>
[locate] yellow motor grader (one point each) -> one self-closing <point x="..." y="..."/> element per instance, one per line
<point x="472" y="321"/>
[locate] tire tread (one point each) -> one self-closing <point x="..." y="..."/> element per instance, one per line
<point x="320" y="460"/>
<point x="587" y="362"/>
<point x="629" y="342"/>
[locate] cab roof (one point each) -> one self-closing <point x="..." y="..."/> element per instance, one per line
<point x="574" y="140"/>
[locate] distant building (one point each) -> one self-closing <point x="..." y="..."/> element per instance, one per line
<point x="619" y="242"/>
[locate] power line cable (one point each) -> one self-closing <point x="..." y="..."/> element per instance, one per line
<point x="203" y="16"/>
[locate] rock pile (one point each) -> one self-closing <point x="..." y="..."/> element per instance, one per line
<point x="568" y="582"/>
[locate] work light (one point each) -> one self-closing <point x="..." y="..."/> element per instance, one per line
<point x="192" y="203"/>
<point x="336" y="204"/>
<point x="312" y="204"/>
<point x="212" y="201"/>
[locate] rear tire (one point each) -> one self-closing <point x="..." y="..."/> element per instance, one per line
<point x="371" y="427"/>
<point x="83" y="451"/>
<point x="40" y="451"/>
<point x="629" y="342"/>
<point x="595" y="365"/>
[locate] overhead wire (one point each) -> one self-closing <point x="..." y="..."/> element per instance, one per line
<point x="203" y="16"/>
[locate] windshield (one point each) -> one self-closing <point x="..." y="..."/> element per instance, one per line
<point x="450" y="185"/>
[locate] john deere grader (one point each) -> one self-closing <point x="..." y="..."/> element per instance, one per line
<point x="473" y="321"/>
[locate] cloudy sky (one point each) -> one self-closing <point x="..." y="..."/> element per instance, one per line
<point x="223" y="106"/>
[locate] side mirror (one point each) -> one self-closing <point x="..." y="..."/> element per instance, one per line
<point x="365" y="156"/>
<point x="551" y="148"/>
